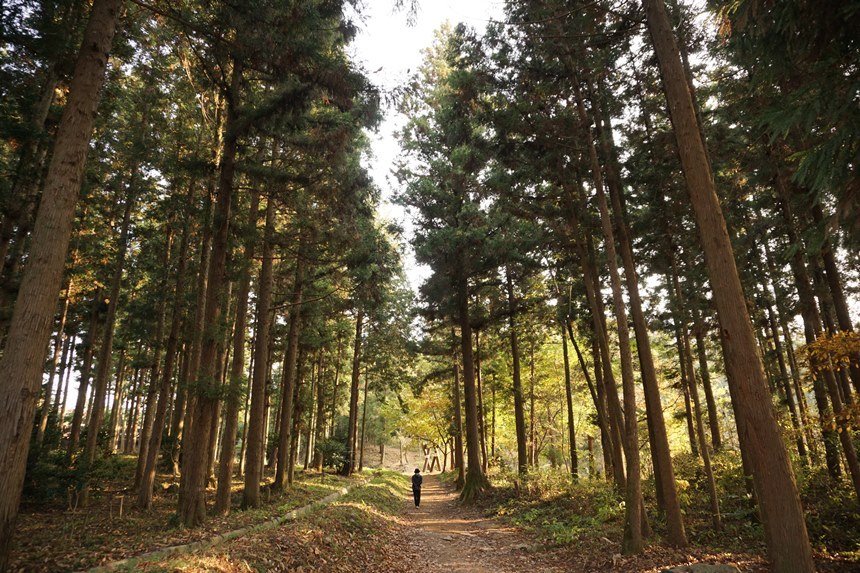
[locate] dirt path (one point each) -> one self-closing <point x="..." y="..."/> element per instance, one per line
<point x="447" y="537"/>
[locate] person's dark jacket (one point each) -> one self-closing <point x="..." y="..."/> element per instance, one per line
<point x="416" y="481"/>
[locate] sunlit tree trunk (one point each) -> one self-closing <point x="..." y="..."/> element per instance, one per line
<point x="664" y="470"/>
<point x="785" y="526"/>
<point x="192" y="499"/>
<point x="457" y="454"/>
<point x="30" y="327"/>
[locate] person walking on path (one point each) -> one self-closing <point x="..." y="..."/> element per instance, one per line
<point x="416" y="486"/>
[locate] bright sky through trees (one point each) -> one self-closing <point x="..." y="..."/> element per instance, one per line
<point x="391" y="50"/>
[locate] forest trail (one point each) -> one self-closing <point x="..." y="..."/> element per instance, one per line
<point x="445" y="536"/>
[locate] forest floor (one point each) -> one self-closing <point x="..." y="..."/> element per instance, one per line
<point x="445" y="536"/>
<point x="52" y="538"/>
<point x="373" y="528"/>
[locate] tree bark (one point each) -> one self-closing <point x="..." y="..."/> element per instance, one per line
<point x="104" y="361"/>
<point x="152" y="391"/>
<point x="116" y="408"/>
<point x="785" y="526"/>
<point x="58" y="347"/>
<point x="147" y="478"/>
<point x="457" y="456"/>
<point x="664" y="470"/>
<point x="30" y="327"/>
<point x="834" y="283"/>
<point x="476" y="482"/>
<point x="519" y="414"/>
<point x="716" y="519"/>
<point x="256" y="423"/>
<point x="192" y="499"/>
<point x="633" y="542"/>
<point x="363" y="422"/>
<point x="568" y="392"/>
<point x="481" y="425"/>
<point x="320" y="416"/>
<point x="237" y="382"/>
<point x="288" y="380"/>
<point x="352" y="428"/>
<point x="701" y="352"/>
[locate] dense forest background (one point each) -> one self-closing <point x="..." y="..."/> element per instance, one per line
<point x="640" y="222"/>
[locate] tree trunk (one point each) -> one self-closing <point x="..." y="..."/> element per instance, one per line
<point x="58" y="346"/>
<point x="568" y="391"/>
<point x="476" y="482"/>
<point x="363" y="422"/>
<point x="237" y="380"/>
<point x="335" y="384"/>
<point x="192" y="499"/>
<point x="256" y="423"/>
<point x="297" y="417"/>
<point x="664" y="470"/>
<point x="106" y="351"/>
<point x="701" y="351"/>
<point x="457" y="461"/>
<point x="716" y="519"/>
<point x="785" y="382"/>
<point x="288" y="379"/>
<point x="834" y="283"/>
<point x="320" y="416"/>
<point x="812" y="327"/>
<point x="116" y="408"/>
<point x="349" y="465"/>
<point x="481" y="425"/>
<point x="633" y="542"/>
<point x="152" y="392"/>
<point x="147" y="478"/>
<point x="787" y="538"/>
<point x="134" y="409"/>
<point x="84" y="374"/>
<point x="66" y="364"/>
<point x="532" y="445"/>
<point x="519" y="415"/>
<point x="30" y="327"/>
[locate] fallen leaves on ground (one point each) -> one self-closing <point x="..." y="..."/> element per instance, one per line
<point x="55" y="540"/>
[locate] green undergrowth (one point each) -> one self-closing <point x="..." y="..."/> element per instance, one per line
<point x="384" y="492"/>
<point x="556" y="509"/>
<point x="552" y="506"/>
<point x="358" y="510"/>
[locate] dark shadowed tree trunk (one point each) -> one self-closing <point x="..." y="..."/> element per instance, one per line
<point x="519" y="413"/>
<point x="288" y="379"/>
<point x="257" y="424"/>
<point x="568" y="392"/>
<point x="237" y="381"/>
<point x="147" y="480"/>
<point x="476" y="482"/>
<point x="352" y="428"/>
